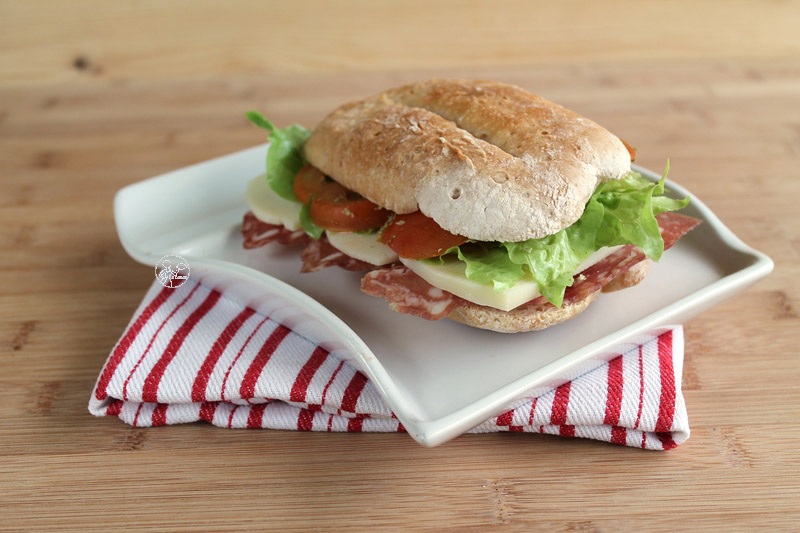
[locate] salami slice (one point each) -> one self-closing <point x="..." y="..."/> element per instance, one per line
<point x="320" y="253"/>
<point x="316" y="255"/>
<point x="258" y="233"/>
<point x="406" y="292"/>
<point x="674" y="226"/>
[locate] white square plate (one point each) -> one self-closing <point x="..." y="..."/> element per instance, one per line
<point x="440" y="378"/>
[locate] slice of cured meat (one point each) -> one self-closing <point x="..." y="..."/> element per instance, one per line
<point x="320" y="253"/>
<point x="408" y="293"/>
<point x="258" y="233"/>
<point x="316" y="255"/>
<point x="674" y="226"/>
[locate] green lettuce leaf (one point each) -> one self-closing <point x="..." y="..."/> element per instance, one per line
<point x="311" y="229"/>
<point x="630" y="207"/>
<point x="489" y="265"/>
<point x="619" y="212"/>
<point x="285" y="154"/>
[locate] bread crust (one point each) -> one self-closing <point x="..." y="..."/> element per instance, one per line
<point x="485" y="160"/>
<point x="524" y="318"/>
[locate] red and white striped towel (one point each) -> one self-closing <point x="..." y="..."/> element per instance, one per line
<point x="191" y="354"/>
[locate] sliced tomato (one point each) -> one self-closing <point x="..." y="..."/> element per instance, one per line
<point x="309" y="181"/>
<point x="346" y="211"/>
<point x="335" y="207"/>
<point x="631" y="150"/>
<point x="416" y="236"/>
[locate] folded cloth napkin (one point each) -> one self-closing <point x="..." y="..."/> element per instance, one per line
<point x="191" y="354"/>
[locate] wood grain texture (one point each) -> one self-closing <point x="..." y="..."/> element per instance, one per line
<point x="49" y="41"/>
<point x="726" y="113"/>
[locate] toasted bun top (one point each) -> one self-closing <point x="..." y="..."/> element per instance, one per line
<point x="485" y="160"/>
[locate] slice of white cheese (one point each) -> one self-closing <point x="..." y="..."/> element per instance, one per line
<point x="450" y="277"/>
<point x="268" y="207"/>
<point x="365" y="247"/>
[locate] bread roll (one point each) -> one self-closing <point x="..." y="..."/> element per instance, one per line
<point x="485" y="160"/>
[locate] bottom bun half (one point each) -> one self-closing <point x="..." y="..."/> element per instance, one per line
<point x="535" y="317"/>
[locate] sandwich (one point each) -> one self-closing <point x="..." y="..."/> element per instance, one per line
<point x="471" y="200"/>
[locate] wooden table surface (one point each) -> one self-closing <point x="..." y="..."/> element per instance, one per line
<point x="97" y="95"/>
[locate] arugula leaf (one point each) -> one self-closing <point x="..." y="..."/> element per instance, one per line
<point x="285" y="154"/>
<point x="311" y="229"/>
